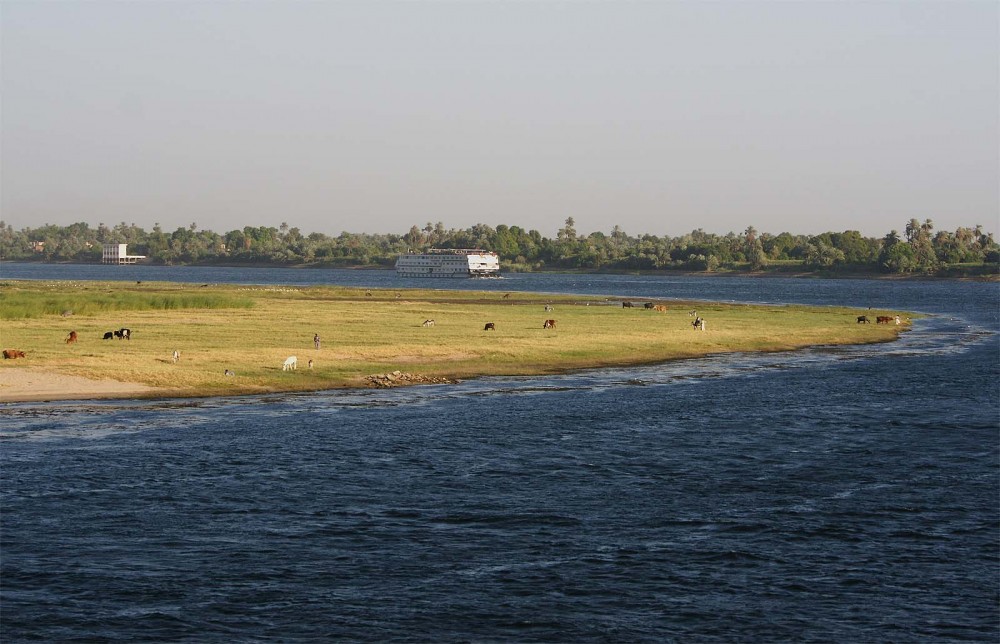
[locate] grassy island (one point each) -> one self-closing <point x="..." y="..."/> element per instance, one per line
<point x="251" y="330"/>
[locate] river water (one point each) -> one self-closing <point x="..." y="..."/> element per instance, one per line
<point x="844" y="494"/>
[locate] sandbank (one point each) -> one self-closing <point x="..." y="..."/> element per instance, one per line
<point x="30" y="384"/>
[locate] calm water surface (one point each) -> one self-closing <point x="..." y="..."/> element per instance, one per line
<point x="844" y="494"/>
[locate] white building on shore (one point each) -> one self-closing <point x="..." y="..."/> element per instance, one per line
<point x="118" y="254"/>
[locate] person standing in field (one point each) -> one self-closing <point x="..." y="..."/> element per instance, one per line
<point x="316" y="341"/>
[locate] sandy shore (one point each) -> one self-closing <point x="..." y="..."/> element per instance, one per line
<point x="28" y="384"/>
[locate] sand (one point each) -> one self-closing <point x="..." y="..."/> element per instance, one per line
<point x="29" y="384"/>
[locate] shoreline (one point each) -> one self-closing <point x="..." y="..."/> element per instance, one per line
<point x="776" y="272"/>
<point x="37" y="384"/>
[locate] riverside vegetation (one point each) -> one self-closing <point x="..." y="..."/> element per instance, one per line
<point x="251" y="330"/>
<point x="966" y="252"/>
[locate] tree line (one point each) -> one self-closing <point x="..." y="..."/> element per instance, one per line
<point x="918" y="250"/>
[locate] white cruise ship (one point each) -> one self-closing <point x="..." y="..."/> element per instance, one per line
<point x="449" y="262"/>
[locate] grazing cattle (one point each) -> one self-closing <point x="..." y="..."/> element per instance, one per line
<point x="863" y="319"/>
<point x="310" y="363"/>
<point x="123" y="333"/>
<point x="176" y="356"/>
<point x="693" y="313"/>
<point x="883" y="319"/>
<point x="698" y="324"/>
<point x="229" y="373"/>
<point x="549" y="324"/>
<point x="661" y="308"/>
<point x="506" y="296"/>
<point x="368" y="293"/>
<point x="72" y="337"/>
<point x="109" y="335"/>
<point x="291" y="362"/>
<point x="12" y="354"/>
<point x="626" y="305"/>
<point x="490" y="327"/>
<point x="67" y="313"/>
<point x="428" y="323"/>
<point x="548" y="308"/>
<point x="648" y="305"/>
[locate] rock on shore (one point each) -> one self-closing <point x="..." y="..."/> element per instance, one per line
<point x="400" y="378"/>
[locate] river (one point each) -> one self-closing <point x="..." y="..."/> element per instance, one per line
<point x="830" y="494"/>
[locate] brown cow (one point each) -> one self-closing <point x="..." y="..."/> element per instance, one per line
<point x="490" y="327"/>
<point x="12" y="354"/>
<point x="883" y="319"/>
<point x="549" y="324"/>
<point x="661" y="308"/>
<point x="72" y="337"/>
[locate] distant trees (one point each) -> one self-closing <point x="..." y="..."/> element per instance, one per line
<point x="921" y="249"/>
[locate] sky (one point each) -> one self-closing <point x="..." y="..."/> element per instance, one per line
<point x="371" y="117"/>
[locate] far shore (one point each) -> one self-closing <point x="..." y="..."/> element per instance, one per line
<point x="987" y="273"/>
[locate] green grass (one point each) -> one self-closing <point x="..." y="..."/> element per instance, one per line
<point x="27" y="301"/>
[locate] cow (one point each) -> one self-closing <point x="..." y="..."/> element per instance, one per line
<point x="660" y="308"/>
<point x="549" y="324"/>
<point x="626" y="305"/>
<point x="428" y="323"/>
<point x="72" y="337"/>
<point x="648" y="305"/>
<point x="109" y="335"/>
<point x="490" y="327"/>
<point x="548" y="308"/>
<point x="123" y="333"/>
<point x="883" y="319"/>
<point x="290" y="363"/>
<point x="12" y="354"/>
<point x="229" y="373"/>
<point x="506" y="296"/>
<point x="698" y="324"/>
<point x="863" y="319"/>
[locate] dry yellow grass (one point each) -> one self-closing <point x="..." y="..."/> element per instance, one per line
<point x="368" y="334"/>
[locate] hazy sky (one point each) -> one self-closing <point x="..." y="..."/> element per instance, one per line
<point x="659" y="117"/>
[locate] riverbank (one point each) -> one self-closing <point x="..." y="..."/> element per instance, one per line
<point x="30" y="384"/>
<point x="235" y="340"/>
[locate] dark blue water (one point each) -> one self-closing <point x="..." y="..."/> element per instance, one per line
<point x="843" y="494"/>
